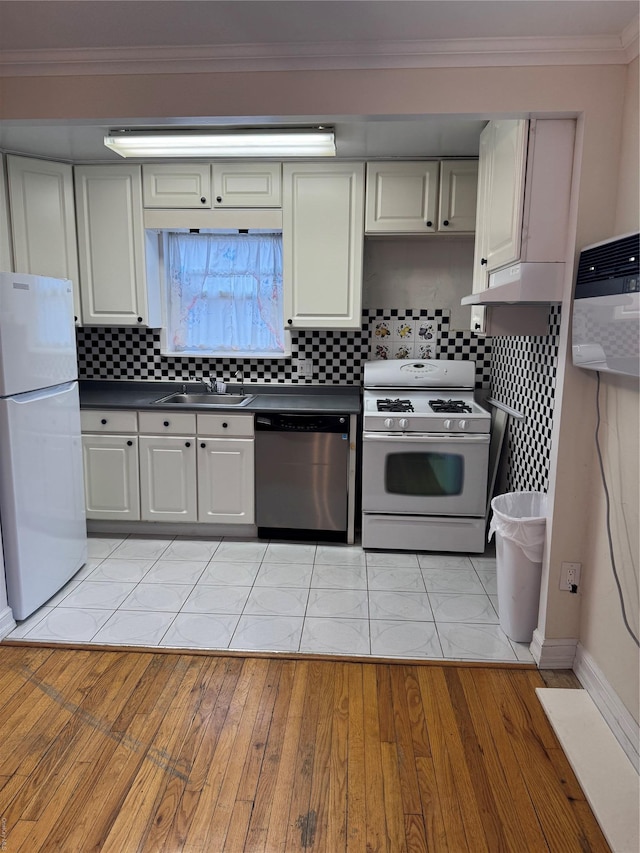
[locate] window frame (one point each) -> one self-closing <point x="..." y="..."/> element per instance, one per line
<point x="163" y="279"/>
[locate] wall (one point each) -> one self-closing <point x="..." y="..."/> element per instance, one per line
<point x="602" y="632"/>
<point x="595" y="94"/>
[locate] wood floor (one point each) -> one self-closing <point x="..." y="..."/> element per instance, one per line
<point x="117" y="751"/>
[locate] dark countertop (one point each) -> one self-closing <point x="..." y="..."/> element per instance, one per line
<point x="324" y="399"/>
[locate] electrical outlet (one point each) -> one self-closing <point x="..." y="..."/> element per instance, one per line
<point x="305" y="367"/>
<point x="570" y="576"/>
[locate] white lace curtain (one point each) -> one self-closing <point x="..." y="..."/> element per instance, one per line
<point x="225" y="293"/>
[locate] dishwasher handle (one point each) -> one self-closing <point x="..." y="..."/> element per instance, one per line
<point x="302" y="423"/>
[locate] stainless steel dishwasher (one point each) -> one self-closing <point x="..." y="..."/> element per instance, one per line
<point x="302" y="465"/>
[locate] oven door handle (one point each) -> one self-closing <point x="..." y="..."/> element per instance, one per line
<point x="427" y="437"/>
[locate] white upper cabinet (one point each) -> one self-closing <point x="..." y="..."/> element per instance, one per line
<point x="183" y="186"/>
<point x="6" y="259"/>
<point x="421" y="197"/>
<point x="177" y="185"/>
<point x="111" y="247"/>
<point x="322" y="240"/>
<point x="524" y="194"/>
<point x="402" y="198"/>
<point x="247" y="184"/>
<point x="43" y="221"/>
<point x="507" y="150"/>
<point x="458" y="196"/>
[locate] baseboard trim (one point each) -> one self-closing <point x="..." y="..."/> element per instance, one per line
<point x="553" y="654"/>
<point x="7" y="622"/>
<point x="621" y="722"/>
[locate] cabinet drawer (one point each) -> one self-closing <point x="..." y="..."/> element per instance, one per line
<point x="225" y="425"/>
<point x="167" y="423"/>
<point x="108" y="421"/>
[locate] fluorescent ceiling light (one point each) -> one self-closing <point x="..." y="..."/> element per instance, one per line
<point x="293" y="142"/>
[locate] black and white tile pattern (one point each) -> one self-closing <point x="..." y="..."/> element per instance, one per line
<point x="523" y="376"/>
<point x="337" y="357"/>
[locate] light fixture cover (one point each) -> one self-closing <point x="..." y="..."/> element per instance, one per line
<point x="237" y="142"/>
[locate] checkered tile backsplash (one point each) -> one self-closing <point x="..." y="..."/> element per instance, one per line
<point x="523" y="376"/>
<point x="337" y="357"/>
<point x="518" y="371"/>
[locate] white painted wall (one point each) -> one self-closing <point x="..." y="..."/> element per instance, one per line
<point x="602" y="632"/>
<point x="419" y="272"/>
<point x="594" y="93"/>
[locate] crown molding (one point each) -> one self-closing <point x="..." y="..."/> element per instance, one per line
<point x="318" y="56"/>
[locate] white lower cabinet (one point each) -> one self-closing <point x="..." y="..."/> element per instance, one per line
<point x="168" y="478"/>
<point x="226" y="493"/>
<point x="169" y="467"/>
<point x="111" y="482"/>
<point x="110" y="455"/>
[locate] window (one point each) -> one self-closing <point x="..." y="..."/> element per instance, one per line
<point x="224" y="294"/>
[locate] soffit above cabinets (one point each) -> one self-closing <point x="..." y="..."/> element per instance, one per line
<point x="357" y="137"/>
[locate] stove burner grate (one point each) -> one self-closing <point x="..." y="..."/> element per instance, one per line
<point x="449" y="406"/>
<point x="395" y="406"/>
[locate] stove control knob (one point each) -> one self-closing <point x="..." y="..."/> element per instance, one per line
<point x="463" y="424"/>
<point x="389" y="423"/>
<point x="448" y="424"/>
<point x="404" y="423"/>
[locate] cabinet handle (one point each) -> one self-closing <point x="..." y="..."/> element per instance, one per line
<point x="203" y="200"/>
<point x="166" y="423"/>
<point x="290" y="322"/>
<point x="218" y="198"/>
<point x="225" y="425"/>
<point x="103" y="421"/>
<point x="140" y="320"/>
<point x="429" y="223"/>
<point x="129" y="443"/>
<point x="477" y="326"/>
<point x="187" y="444"/>
<point x="483" y="262"/>
<point x="202" y="444"/>
<point x="445" y="222"/>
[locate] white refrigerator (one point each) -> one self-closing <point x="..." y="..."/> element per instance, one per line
<point x="42" y="511"/>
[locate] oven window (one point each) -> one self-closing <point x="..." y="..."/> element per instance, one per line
<point x="424" y="474"/>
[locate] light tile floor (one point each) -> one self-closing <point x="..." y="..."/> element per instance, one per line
<point x="258" y="595"/>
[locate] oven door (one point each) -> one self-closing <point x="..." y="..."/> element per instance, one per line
<point x="425" y="473"/>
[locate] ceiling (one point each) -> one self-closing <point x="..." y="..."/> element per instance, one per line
<point x="125" y="36"/>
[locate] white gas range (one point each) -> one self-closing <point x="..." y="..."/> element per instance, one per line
<point x="425" y="456"/>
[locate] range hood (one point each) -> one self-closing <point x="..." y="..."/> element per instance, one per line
<point x="521" y="284"/>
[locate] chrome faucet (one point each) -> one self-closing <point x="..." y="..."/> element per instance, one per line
<point x="239" y="377"/>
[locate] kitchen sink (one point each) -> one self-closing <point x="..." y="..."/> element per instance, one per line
<point x="207" y="399"/>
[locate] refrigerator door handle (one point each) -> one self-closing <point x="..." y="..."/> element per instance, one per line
<point x="52" y="391"/>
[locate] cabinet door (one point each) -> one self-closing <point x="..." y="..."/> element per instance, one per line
<point x="43" y="220"/>
<point x="226" y="480"/>
<point x="111" y="476"/>
<point x="168" y="478"/>
<point x="111" y="245"/>
<point x="181" y="185"/>
<point x="506" y="192"/>
<point x="322" y="244"/>
<point x="458" y="196"/>
<point x="402" y="198"/>
<point x="6" y="260"/>
<point x="480" y="278"/>
<point x="247" y="184"/>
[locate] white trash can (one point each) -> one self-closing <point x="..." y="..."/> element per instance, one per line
<point x="519" y="522"/>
